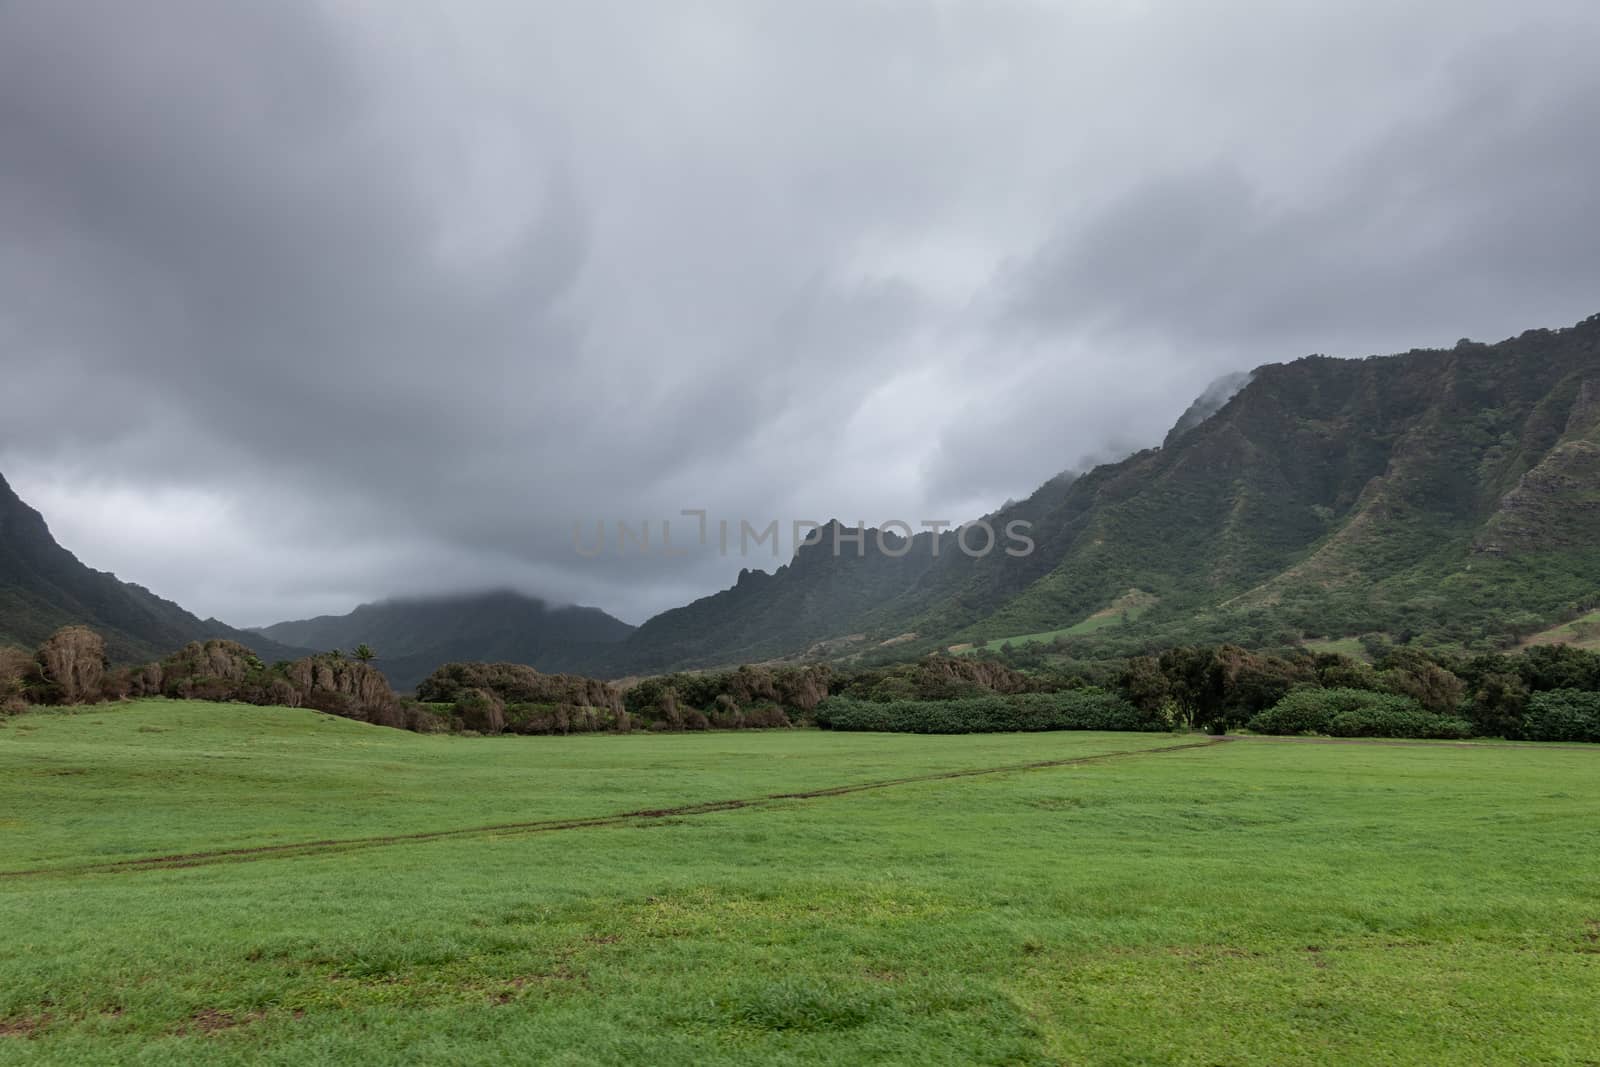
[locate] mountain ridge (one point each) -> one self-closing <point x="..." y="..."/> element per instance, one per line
<point x="1315" y="485"/>
<point x="1448" y="495"/>
<point x="415" y="634"/>
<point x="44" y="587"/>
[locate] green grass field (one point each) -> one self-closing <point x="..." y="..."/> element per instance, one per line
<point x="1344" y="646"/>
<point x="1241" y="902"/>
<point x="1125" y="608"/>
<point x="1582" y="632"/>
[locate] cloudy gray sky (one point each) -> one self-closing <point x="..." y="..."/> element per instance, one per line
<point x="304" y="304"/>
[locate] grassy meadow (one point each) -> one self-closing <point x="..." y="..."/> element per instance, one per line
<point x="1126" y="608"/>
<point x="1164" y="901"/>
<point x="1582" y="632"/>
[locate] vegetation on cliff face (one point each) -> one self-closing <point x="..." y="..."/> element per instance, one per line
<point x="1451" y="496"/>
<point x="1446" y="498"/>
<point x="44" y="587"/>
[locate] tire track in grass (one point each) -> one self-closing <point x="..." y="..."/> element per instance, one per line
<point x="352" y="844"/>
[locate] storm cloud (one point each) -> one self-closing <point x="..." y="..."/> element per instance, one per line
<point x="304" y="304"/>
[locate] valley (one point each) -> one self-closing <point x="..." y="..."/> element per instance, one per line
<point x="441" y="620"/>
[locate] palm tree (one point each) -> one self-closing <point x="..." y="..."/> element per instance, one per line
<point x="364" y="653"/>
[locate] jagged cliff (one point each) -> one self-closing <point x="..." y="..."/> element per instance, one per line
<point x="43" y="587"/>
<point x="1449" y="494"/>
<point x="1452" y="493"/>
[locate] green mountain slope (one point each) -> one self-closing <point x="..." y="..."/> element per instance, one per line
<point x="1448" y="494"/>
<point x="815" y="597"/>
<point x="413" y="636"/>
<point x="44" y="587"/>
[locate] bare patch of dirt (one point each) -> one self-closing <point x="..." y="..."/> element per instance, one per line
<point x="1211" y="952"/>
<point x="25" y="1026"/>
<point x="560" y="974"/>
<point x="213" y="1021"/>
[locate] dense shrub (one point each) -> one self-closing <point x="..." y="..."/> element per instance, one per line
<point x="934" y="678"/>
<point x="544" y="719"/>
<point x="1547" y="693"/>
<point x="145" y="681"/>
<point x="517" y="683"/>
<point x="72" y="663"/>
<point x="367" y="692"/>
<point x="17" y="666"/>
<point x="281" y="693"/>
<point x="421" y="719"/>
<point x="947" y="677"/>
<point x="1213" y="688"/>
<point x="1563" y="715"/>
<point x="209" y="670"/>
<point x="1411" y="673"/>
<point x="114" y="685"/>
<point x="1355" y="713"/>
<point x="1336" y="671"/>
<point x="1145" y="684"/>
<point x="387" y="713"/>
<point x="726" y="715"/>
<point x="799" y="688"/>
<point x="1546" y="668"/>
<point x="1307" y="711"/>
<point x="1382" y="721"/>
<point x="1499" y="705"/>
<point x="728" y="700"/>
<point x="481" y="710"/>
<point x="1077" y="709"/>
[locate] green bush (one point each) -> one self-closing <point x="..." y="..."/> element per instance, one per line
<point x="1307" y="711"/>
<point x="1563" y="715"/>
<point x="481" y="710"/>
<point x="1499" y="705"/>
<point x="535" y="718"/>
<point x="422" y="719"/>
<point x="1355" y="713"/>
<point x="1077" y="709"/>
<point x="1379" y="721"/>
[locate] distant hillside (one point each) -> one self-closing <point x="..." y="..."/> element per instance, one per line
<point x="763" y="616"/>
<point x="413" y="636"/>
<point x="44" y="587"/>
<point x="1451" y="495"/>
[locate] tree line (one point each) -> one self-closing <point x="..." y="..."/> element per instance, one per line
<point x="1546" y="693"/>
